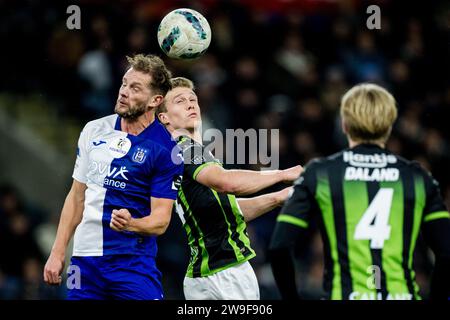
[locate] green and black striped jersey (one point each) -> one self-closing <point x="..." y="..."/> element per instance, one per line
<point x="370" y="205"/>
<point x="215" y="226"/>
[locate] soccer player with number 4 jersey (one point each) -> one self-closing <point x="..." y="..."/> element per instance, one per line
<point x="370" y="205"/>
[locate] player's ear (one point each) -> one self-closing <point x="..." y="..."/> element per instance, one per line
<point x="163" y="118"/>
<point x="156" y="100"/>
<point x="344" y="126"/>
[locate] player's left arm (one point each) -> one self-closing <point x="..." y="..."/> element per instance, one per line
<point x="282" y="261"/>
<point x="256" y="206"/>
<point x="153" y="225"/>
<point x="243" y="182"/>
<point x="436" y="231"/>
<point x="291" y="226"/>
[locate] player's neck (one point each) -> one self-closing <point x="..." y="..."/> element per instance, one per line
<point x="197" y="136"/>
<point x="136" y="126"/>
<point x="194" y="134"/>
<point x="353" y="143"/>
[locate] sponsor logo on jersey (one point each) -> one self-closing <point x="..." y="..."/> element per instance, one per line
<point x="376" y="160"/>
<point x="119" y="147"/>
<point x="98" y="143"/>
<point x="113" y="176"/>
<point x="139" y="155"/>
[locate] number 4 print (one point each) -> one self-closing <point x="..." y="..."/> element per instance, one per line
<point x="373" y="225"/>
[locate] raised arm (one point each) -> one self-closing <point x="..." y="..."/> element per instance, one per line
<point x="71" y="216"/>
<point x="254" y="207"/>
<point x="244" y="182"/>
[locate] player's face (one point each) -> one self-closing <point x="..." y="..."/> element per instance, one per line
<point x="183" y="111"/>
<point x="135" y="96"/>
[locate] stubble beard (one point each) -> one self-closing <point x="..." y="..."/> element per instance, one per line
<point x="132" y="113"/>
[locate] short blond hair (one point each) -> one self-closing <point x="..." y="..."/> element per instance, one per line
<point x="368" y="112"/>
<point x="177" y="82"/>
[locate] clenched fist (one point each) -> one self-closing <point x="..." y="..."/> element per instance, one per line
<point x="120" y="220"/>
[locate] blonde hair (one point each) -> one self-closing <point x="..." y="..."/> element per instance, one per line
<point x="177" y="82"/>
<point x="368" y="112"/>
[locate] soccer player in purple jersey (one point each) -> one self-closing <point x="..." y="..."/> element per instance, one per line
<point x="121" y="199"/>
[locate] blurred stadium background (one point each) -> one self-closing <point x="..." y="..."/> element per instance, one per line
<point x="272" y="64"/>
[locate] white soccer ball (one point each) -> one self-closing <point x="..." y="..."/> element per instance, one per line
<point x="184" y="34"/>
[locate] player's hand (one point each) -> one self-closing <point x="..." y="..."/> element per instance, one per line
<point x="284" y="194"/>
<point x="120" y="220"/>
<point x="53" y="269"/>
<point x="291" y="174"/>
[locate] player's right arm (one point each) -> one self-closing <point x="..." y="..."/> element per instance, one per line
<point x="436" y="231"/>
<point x="207" y="170"/>
<point x="71" y="216"/>
<point x="244" y="182"/>
<point x="71" y="213"/>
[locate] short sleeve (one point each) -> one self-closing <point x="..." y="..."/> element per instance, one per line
<point x="167" y="176"/>
<point x="195" y="159"/>
<point x="82" y="161"/>
<point x="298" y="208"/>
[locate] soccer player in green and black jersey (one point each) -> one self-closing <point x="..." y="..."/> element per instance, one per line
<point x="370" y="205"/>
<point x="214" y="220"/>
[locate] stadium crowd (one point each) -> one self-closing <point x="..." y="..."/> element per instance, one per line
<point x="281" y="65"/>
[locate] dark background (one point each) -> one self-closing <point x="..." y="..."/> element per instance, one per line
<point x="271" y="65"/>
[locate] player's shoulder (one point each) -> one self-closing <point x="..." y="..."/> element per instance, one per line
<point x="186" y="143"/>
<point x="194" y="152"/>
<point x="413" y="165"/>
<point x="415" y="168"/>
<point x="107" y="122"/>
<point x="159" y="135"/>
<point x="323" y="162"/>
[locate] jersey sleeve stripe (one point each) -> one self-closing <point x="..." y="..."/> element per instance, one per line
<point x="436" y="215"/>
<point x="197" y="171"/>
<point x="292" y="220"/>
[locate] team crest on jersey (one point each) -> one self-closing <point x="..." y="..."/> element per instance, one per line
<point x="119" y="147"/>
<point x="139" y="155"/>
